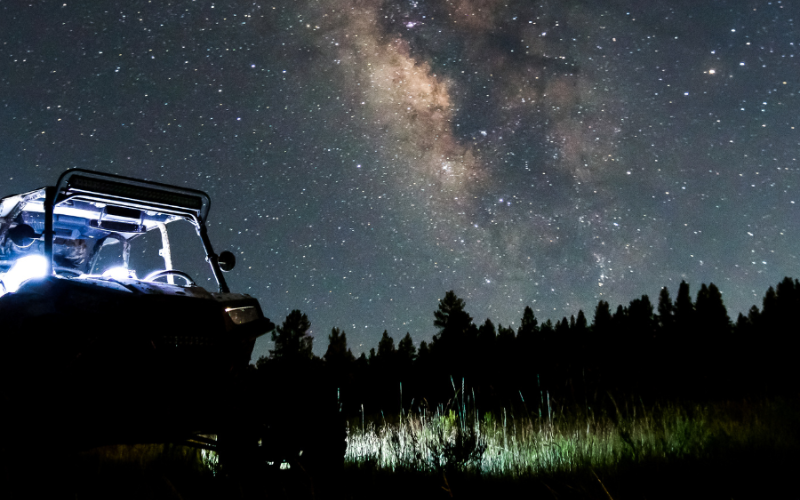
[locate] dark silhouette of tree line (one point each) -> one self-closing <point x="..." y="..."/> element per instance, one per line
<point x="681" y="348"/>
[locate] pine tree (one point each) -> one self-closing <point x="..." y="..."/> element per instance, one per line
<point x="713" y="340"/>
<point x="424" y="352"/>
<point x="406" y="350"/>
<point x="406" y="355"/>
<point x="665" y="311"/>
<point x="527" y="350"/>
<point x="684" y="308"/>
<point x="386" y="350"/>
<point x="712" y="316"/>
<point x="423" y="363"/>
<point x="598" y="345"/>
<point x="454" y="347"/>
<point x="454" y="324"/>
<point x="338" y="355"/>
<point x="580" y="336"/>
<point x="580" y="321"/>
<point x="562" y="330"/>
<point x="487" y="334"/>
<point x="504" y="351"/>
<point x="642" y="321"/>
<point x="665" y="337"/>
<point x="292" y="339"/>
<point x="529" y="325"/>
<point x="486" y="347"/>
<point x="601" y="324"/>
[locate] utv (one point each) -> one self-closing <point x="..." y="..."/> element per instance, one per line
<point x="92" y="354"/>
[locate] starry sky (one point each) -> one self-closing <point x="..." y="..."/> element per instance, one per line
<point x="365" y="157"/>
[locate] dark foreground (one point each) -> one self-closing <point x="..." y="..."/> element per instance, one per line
<point x="176" y="474"/>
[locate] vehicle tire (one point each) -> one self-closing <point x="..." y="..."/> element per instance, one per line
<point x="323" y="455"/>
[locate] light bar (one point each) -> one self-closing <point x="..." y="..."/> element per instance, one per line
<point x="133" y="192"/>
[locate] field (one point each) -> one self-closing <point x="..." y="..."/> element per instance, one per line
<point x="557" y="440"/>
<point x="628" y="450"/>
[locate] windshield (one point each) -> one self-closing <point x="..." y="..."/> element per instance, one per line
<point x="174" y="246"/>
<point x="105" y="224"/>
<point x="99" y="240"/>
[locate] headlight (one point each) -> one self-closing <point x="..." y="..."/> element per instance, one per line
<point x="242" y="315"/>
<point x="119" y="273"/>
<point x="31" y="266"/>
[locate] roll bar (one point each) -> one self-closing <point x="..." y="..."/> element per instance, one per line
<point x="190" y="204"/>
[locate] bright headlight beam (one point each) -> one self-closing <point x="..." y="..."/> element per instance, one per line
<point x="117" y="273"/>
<point x="31" y="266"/>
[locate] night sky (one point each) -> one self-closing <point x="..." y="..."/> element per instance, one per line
<point x="365" y="157"/>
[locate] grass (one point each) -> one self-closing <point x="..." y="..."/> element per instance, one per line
<point x="457" y="438"/>
<point x="619" y="449"/>
<point x="624" y="449"/>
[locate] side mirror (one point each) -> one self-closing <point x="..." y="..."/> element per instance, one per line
<point x="227" y="261"/>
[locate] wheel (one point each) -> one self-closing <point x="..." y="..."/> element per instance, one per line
<point x="323" y="455"/>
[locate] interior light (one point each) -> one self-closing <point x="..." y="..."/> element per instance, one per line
<point x="29" y="267"/>
<point x="119" y="273"/>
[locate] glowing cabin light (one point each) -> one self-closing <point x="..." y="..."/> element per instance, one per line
<point x="119" y="273"/>
<point x="32" y="266"/>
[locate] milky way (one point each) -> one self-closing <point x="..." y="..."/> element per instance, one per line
<point x="364" y="158"/>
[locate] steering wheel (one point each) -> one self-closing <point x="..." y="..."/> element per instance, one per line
<point x="70" y="272"/>
<point x="170" y="272"/>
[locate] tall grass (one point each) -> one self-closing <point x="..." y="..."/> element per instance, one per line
<point x="519" y="443"/>
<point x="556" y="439"/>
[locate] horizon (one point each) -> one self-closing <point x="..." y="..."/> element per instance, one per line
<point x="319" y="348"/>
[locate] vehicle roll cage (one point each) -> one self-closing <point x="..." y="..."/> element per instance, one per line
<point x="79" y="184"/>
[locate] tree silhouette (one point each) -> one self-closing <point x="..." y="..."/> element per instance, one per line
<point x="687" y="349"/>
<point x="712" y="316"/>
<point x="338" y="355"/>
<point x="454" y="345"/>
<point x="711" y="344"/>
<point x="562" y="330"/>
<point x="601" y="333"/>
<point x="529" y="325"/>
<point x="423" y="365"/>
<point x="579" y="333"/>
<point x="776" y="326"/>
<point x="665" y="338"/>
<point x="601" y="322"/>
<point x="529" y="348"/>
<point x="486" y="336"/>
<point x="505" y="342"/>
<point x="406" y="352"/>
<point x="292" y="341"/>
<point x="386" y="348"/>
<point x="454" y="324"/>
<point x="684" y="308"/>
<point x="639" y="338"/>
<point x="423" y="356"/>
<point x="340" y="367"/>
<point x="665" y="310"/>
<point x="642" y="321"/>
<point x="486" y="346"/>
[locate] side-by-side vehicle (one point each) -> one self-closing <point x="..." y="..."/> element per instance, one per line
<point x="95" y="352"/>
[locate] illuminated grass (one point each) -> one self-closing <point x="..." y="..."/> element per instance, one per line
<point x="506" y="445"/>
